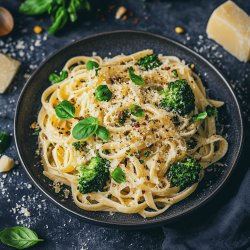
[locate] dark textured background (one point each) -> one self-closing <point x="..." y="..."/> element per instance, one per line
<point x="60" y="230"/>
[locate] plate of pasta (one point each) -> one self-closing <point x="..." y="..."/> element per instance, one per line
<point x="128" y="129"/>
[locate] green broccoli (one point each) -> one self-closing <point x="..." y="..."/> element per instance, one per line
<point x="178" y="97"/>
<point x="94" y="176"/>
<point x="149" y="62"/>
<point x="184" y="173"/>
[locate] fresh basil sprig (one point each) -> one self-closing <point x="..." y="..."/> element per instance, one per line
<point x="118" y="175"/>
<point x="56" y="78"/>
<point x="60" y="19"/>
<point x="137" y="110"/>
<point x="65" y="110"/>
<point x="60" y="10"/>
<point x="102" y="93"/>
<point x="103" y="133"/>
<point x="85" y="128"/>
<point x="136" y="79"/>
<point x="19" y="237"/>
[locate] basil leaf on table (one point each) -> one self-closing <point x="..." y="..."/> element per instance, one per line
<point x="136" y="79"/>
<point x="103" y="133"/>
<point x="102" y="93"/>
<point x="74" y="6"/>
<point x="55" y="78"/>
<point x="137" y="111"/>
<point x="118" y="175"/>
<point x="34" y="7"/>
<point x="85" y="128"/>
<point x="4" y="142"/>
<point x="200" y="116"/>
<point x="65" y="110"/>
<point x="60" y="20"/>
<point x="19" y="237"/>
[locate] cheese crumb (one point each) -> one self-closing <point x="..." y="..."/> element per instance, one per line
<point x="8" y="70"/>
<point x="6" y="164"/>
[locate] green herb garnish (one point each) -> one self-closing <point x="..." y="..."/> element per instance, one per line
<point x="80" y="146"/>
<point x="122" y="117"/>
<point x="19" y="237"/>
<point x="4" y="141"/>
<point x="65" y="110"/>
<point x="136" y="79"/>
<point x="85" y="128"/>
<point x="147" y="153"/>
<point x="55" y="78"/>
<point x="149" y="62"/>
<point x="102" y="93"/>
<point x="118" y="175"/>
<point x="91" y="65"/>
<point x="137" y="111"/>
<point x="200" y="116"/>
<point x="175" y="73"/>
<point x="103" y="133"/>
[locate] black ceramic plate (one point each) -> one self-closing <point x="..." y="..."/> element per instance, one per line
<point x="116" y="43"/>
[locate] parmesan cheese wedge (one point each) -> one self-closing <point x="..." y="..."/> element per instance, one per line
<point x="6" y="163"/>
<point x="8" y="70"/>
<point x="229" y="26"/>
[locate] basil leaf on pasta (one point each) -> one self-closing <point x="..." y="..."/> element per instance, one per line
<point x="85" y="128"/>
<point x="103" y="133"/>
<point x="136" y="79"/>
<point x="118" y="175"/>
<point x="56" y="78"/>
<point x="65" y="110"/>
<point x="19" y="237"/>
<point x="137" y="111"/>
<point x="92" y="65"/>
<point x="200" y="116"/>
<point x="102" y="93"/>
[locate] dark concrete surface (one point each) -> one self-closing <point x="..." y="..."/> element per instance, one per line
<point x="59" y="229"/>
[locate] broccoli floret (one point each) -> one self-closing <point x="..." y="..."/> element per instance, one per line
<point x="149" y="62"/>
<point x="184" y="173"/>
<point x="94" y="176"/>
<point x="178" y="97"/>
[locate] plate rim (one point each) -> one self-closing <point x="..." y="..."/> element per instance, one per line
<point x="144" y="224"/>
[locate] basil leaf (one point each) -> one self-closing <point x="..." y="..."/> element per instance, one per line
<point x="65" y="110"/>
<point x="136" y="79"/>
<point x="85" y="128"/>
<point x="118" y="175"/>
<point x="92" y="65"/>
<point x="55" y="78"/>
<point x="102" y="93"/>
<point x="137" y="111"/>
<point x="200" y="116"/>
<point x="60" y="20"/>
<point x="212" y="111"/>
<point x="103" y="133"/>
<point x="72" y="10"/>
<point x="4" y="141"/>
<point x="175" y="73"/>
<point x="19" y="237"/>
<point x="34" y="7"/>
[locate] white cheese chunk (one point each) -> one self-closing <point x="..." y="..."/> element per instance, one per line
<point x="6" y="163"/>
<point x="8" y="70"/>
<point x="229" y="26"/>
